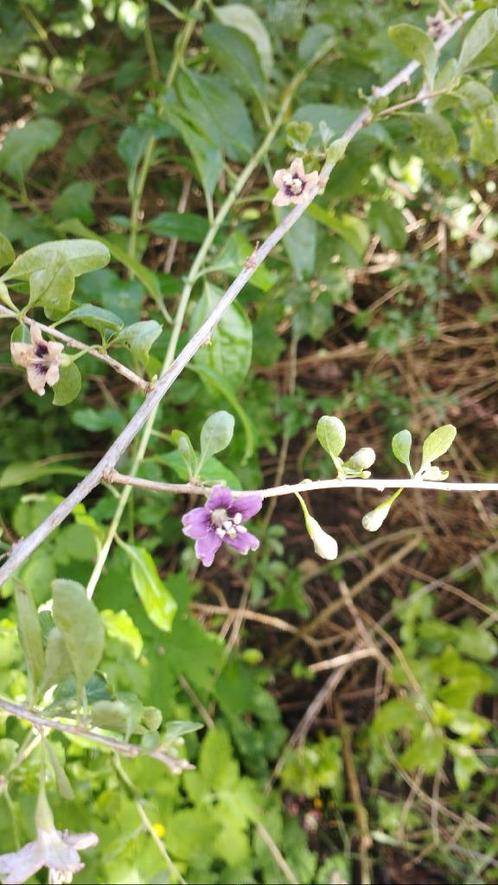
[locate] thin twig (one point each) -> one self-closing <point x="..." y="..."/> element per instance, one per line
<point x="23" y="549"/>
<point x="122" y="747"/>
<point x="78" y="345"/>
<point x="378" y="485"/>
<point x="348" y="658"/>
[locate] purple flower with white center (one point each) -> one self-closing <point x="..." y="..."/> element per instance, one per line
<point x="220" y="521"/>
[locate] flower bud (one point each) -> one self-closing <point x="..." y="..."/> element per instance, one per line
<point x="362" y="459"/>
<point x="373" y="520"/>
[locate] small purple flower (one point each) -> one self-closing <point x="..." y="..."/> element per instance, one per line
<point x="221" y="520"/>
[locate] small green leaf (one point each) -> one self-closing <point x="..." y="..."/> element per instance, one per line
<point x="157" y="600"/>
<point x="331" y="434"/>
<point x="30" y="634"/>
<point x="61" y="779"/>
<point x="139" y="338"/>
<point x="216" y="434"/>
<point x="415" y="43"/>
<point x="58" y="664"/>
<point x="186" y="450"/>
<point x="20" y="472"/>
<point x="81" y="627"/>
<point x="21" y="147"/>
<point x="389" y="223"/>
<point x="120" y="626"/>
<point x="7" y="254"/>
<point x="5" y="297"/>
<point x="96" y="318"/>
<point x="466" y="763"/>
<point x="401" y="446"/>
<point x="229" y="351"/>
<point x="68" y="385"/>
<point x="112" y="715"/>
<point x="241" y="17"/>
<point x="480" y="34"/>
<point x="434" y="135"/>
<point x="437" y="443"/>
<point x="187" y="227"/>
<point x="236" y="54"/>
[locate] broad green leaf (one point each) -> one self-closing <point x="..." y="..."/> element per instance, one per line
<point x="480" y="34"/>
<point x="401" y="446"/>
<point x="68" y="385"/>
<point x="466" y="763"/>
<point x="96" y="318"/>
<point x="52" y="267"/>
<point x="416" y="44"/>
<point x="393" y="715"/>
<point x="58" y="664"/>
<point x="241" y="17"/>
<point x="139" y="338"/>
<point x="426" y="751"/>
<point x="187" y="227"/>
<point x="75" y="201"/>
<point x="437" y="443"/>
<point x="353" y="231"/>
<point x="229" y="351"/>
<point x="157" y="600"/>
<point x="81" y="255"/>
<point x="5" y="297"/>
<point x="61" y="779"/>
<point x="331" y="434"/>
<point x="434" y="135"/>
<point x="206" y="154"/>
<point x="30" y="634"/>
<point x="484" y="137"/>
<point x="146" y="276"/>
<point x="120" y="626"/>
<point x="81" y="627"/>
<point x="474" y="95"/>
<point x="7" y="254"/>
<point x="219" y="113"/>
<point x="21" y="472"/>
<point x="389" y="223"/>
<point x="300" y="244"/>
<point x="21" y="147"/>
<point x="216" y="434"/>
<point x="236" y="54"/>
<point x="185" y="450"/>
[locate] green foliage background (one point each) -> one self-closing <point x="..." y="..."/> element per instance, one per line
<point x="126" y="123"/>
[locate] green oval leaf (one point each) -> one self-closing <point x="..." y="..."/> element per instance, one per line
<point x="480" y="34"/>
<point x="68" y="385"/>
<point x="157" y="600"/>
<point x="437" y="443"/>
<point x="401" y="446"/>
<point x="216" y="434"/>
<point x="331" y="434"/>
<point x="81" y="628"/>
<point x="30" y="634"/>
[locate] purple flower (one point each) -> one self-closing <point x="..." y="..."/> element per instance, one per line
<point x="220" y="521"/>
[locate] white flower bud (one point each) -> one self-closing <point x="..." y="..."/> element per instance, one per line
<point x="373" y="520"/>
<point x="362" y="459"/>
<point x="325" y="545"/>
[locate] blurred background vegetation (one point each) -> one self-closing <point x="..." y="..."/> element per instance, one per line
<point x="132" y="120"/>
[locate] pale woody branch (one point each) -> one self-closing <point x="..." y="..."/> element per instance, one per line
<point x="23" y="549"/>
<point x="122" y="747"/>
<point x="378" y="485"/>
<point x="78" y="345"/>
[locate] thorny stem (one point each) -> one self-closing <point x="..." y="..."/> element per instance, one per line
<point x="23" y="549"/>
<point x="378" y="485"/>
<point x="122" y="747"/>
<point x="78" y="345"/>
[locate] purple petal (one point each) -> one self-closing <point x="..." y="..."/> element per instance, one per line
<point x="247" y="505"/>
<point x="207" y="547"/>
<point x="196" y="523"/>
<point x="220" y="497"/>
<point x="21" y="865"/>
<point x="243" y="542"/>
